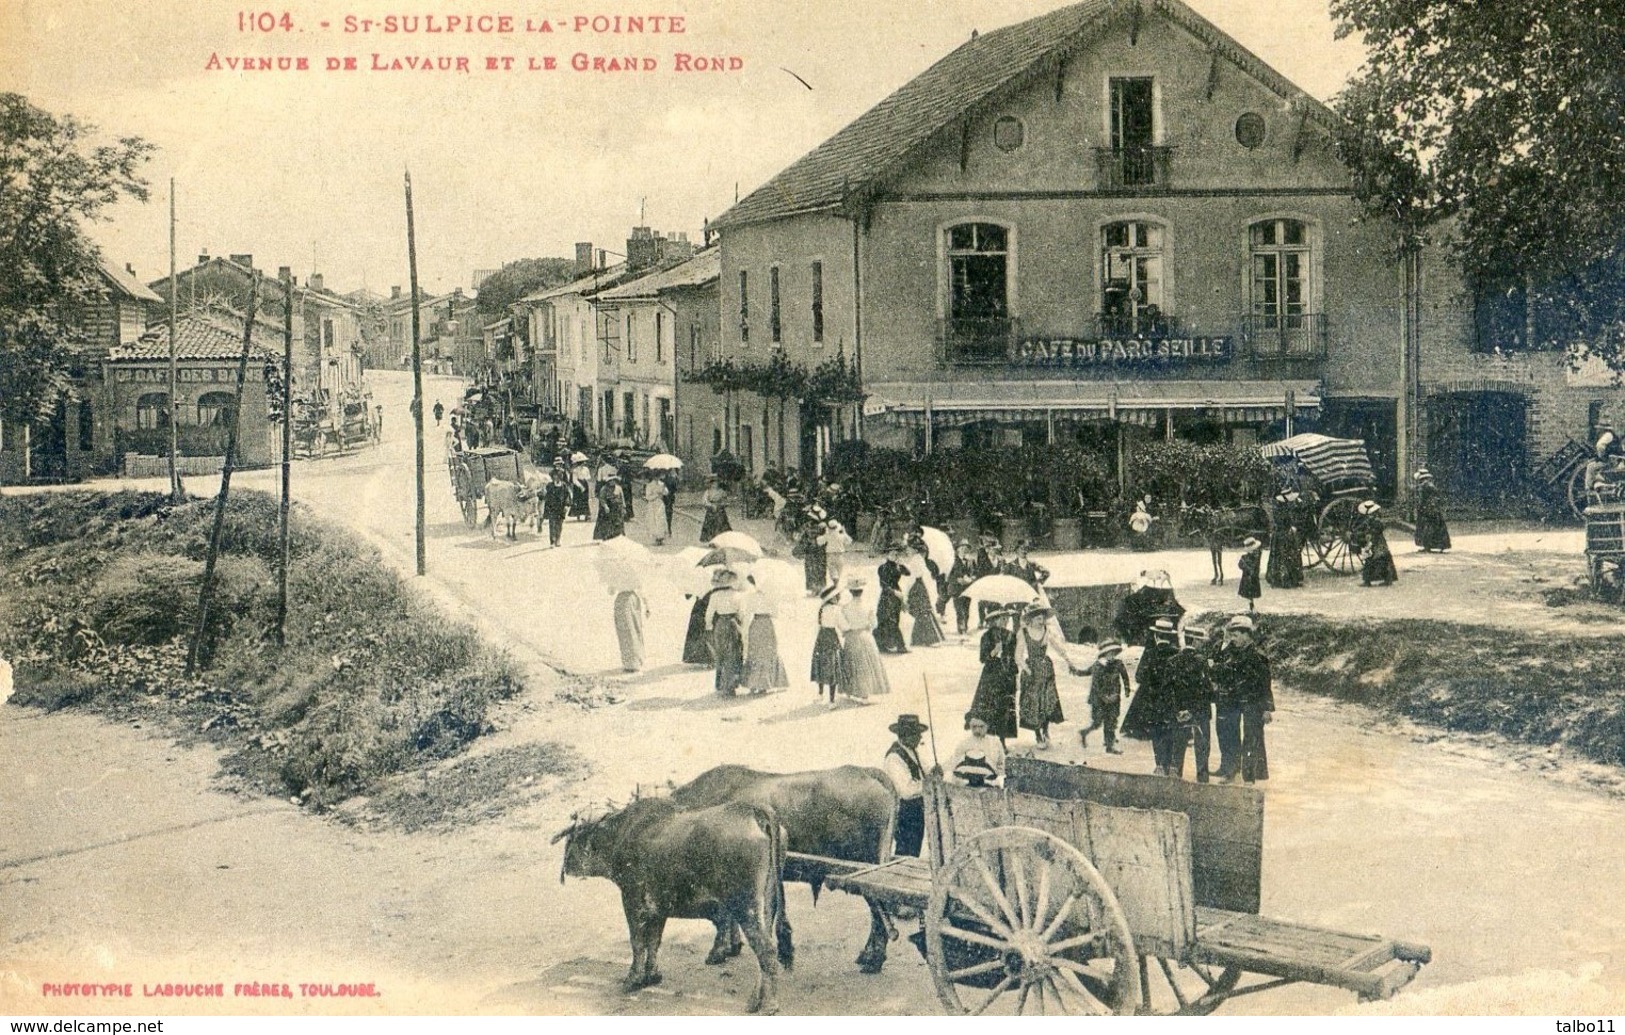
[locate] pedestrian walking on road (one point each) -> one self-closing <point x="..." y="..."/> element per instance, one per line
<point x="669" y="501"/>
<point x="960" y="576"/>
<point x="556" y="503"/>
<point x="722" y="620"/>
<point x="1432" y="534"/>
<point x="889" y="608"/>
<point x="835" y="543"/>
<point x="654" y="510"/>
<point x="580" y="488"/>
<point x="828" y="666"/>
<point x="764" y="667"/>
<point x="1251" y="560"/>
<point x="716" y="511"/>
<point x="611" y="510"/>
<point x="1245" y="703"/>
<point x="995" y="699"/>
<point x="1038" y="698"/>
<point x="1109" y="685"/>
<point x="1377" y="561"/>
<point x="865" y="676"/>
<point x="1153" y="714"/>
<point x="1285" y="569"/>
<point x="1193" y="695"/>
<point x="630" y="611"/>
<point x="439" y="411"/>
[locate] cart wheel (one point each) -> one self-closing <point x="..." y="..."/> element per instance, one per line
<point x="1577" y="492"/>
<point x="1335" y="536"/>
<point x="1195" y="990"/>
<point x="471" y="511"/>
<point x="1018" y="914"/>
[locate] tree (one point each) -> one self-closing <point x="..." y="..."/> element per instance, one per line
<point x="519" y="278"/>
<point x="1500" y="127"/>
<point x="53" y="179"/>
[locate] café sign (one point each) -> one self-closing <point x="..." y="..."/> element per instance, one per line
<point x="1073" y="352"/>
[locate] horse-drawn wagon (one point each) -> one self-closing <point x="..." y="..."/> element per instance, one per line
<point x="1333" y="476"/>
<point x="1057" y="893"/>
<point x="470" y="469"/>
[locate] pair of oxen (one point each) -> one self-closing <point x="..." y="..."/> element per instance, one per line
<point x="715" y="849"/>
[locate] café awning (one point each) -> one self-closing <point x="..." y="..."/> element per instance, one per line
<point x="949" y="404"/>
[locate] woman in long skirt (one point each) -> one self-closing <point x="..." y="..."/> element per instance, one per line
<point x="716" y="512"/>
<point x="1285" y="569"/>
<point x="814" y="562"/>
<point x="864" y="675"/>
<point x="921" y="603"/>
<point x="1251" y="554"/>
<point x="995" y="699"/>
<point x="580" y="480"/>
<point x="1378" y="561"/>
<point x="697" y="641"/>
<point x="629" y="614"/>
<point x="764" y="669"/>
<point x="1038" y="702"/>
<point x="654" y="509"/>
<point x="611" y="511"/>
<point x="828" y="666"/>
<point x="1431" y="531"/>
<point x="727" y="637"/>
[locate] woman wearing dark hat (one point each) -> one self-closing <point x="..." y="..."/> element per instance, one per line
<point x="611" y="509"/>
<point x="865" y="676"/>
<point x="727" y="637"/>
<point x="1038" y="702"/>
<point x="889" y="607"/>
<point x="697" y="640"/>
<point x="814" y="562"/>
<point x="995" y="699"/>
<point x="828" y="668"/>
<point x="1251" y="560"/>
<point x="1285" y="570"/>
<point x="1377" y="561"/>
<point x="960" y="576"/>
<point x="926" y="631"/>
<point x="1431" y="531"/>
<point x="716" y="511"/>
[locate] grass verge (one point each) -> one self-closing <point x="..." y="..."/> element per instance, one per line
<point x="98" y="600"/>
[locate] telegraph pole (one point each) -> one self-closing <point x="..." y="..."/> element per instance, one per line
<point x="417" y="374"/>
<point x="174" y="427"/>
<point x="287" y="459"/>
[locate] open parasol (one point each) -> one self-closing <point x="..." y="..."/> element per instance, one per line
<point x="780" y="582"/>
<point x="939" y="547"/>
<point x="578" y="458"/>
<point x="1002" y="589"/>
<point x="662" y="462"/>
<point x="622" y="564"/>
<point x="738" y="546"/>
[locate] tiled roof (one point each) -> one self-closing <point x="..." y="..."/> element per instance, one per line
<point x="701" y="269"/>
<point x="200" y="336"/>
<point x="125" y="282"/>
<point x="867" y="150"/>
<point x="594" y="282"/>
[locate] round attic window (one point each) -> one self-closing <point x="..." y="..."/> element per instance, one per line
<point x="1250" y="130"/>
<point x="1008" y="133"/>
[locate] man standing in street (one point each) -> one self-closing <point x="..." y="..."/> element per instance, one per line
<point x="1246" y="702"/>
<point x="556" y="503"/>
<point x="902" y="763"/>
<point x="439" y="411"/>
<point x="1193" y="695"/>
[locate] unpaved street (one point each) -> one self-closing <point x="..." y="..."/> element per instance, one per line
<point x="120" y="861"/>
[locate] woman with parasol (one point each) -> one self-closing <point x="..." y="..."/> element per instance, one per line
<point x="995" y="699"/>
<point x="716" y="510"/>
<point x="580" y="480"/>
<point x="1038" y="701"/>
<point x="722" y="620"/>
<point x="654" y="508"/>
<point x="921" y="596"/>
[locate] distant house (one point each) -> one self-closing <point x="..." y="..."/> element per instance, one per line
<point x="451" y="332"/>
<point x="209" y="345"/>
<point x="79" y="440"/>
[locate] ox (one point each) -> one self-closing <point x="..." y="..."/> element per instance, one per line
<point x="721" y="864"/>
<point x="508" y="500"/>
<point x="535" y="483"/>
<point x="845" y="813"/>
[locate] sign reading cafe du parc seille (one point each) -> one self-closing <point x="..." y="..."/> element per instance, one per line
<point x="1072" y="352"/>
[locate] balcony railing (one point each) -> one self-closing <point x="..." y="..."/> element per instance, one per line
<point x="1127" y="168"/>
<point x="1284" y="336"/>
<point x="979" y="341"/>
<point x="1149" y="322"/>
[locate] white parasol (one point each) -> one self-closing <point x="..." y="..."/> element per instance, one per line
<point x="622" y="564"/>
<point x="578" y="458"/>
<point x="1002" y="589"/>
<point x="738" y="545"/>
<point x="781" y="582"/>
<point x="662" y="462"/>
<point x="939" y="547"/>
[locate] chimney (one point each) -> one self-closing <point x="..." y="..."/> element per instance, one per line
<point x="244" y="260"/>
<point x="583" y="258"/>
<point x="603" y="260"/>
<point x="284" y="273"/>
<point x="642" y="249"/>
<point x="203" y="256"/>
<point x="315" y="282"/>
<point x="394" y="292"/>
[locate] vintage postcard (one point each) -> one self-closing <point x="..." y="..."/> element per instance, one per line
<point x="721" y="507"/>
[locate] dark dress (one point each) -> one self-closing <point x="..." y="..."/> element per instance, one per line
<point x="716" y="517"/>
<point x="995" y="699"/>
<point x="1040" y="701"/>
<point x="1141" y="608"/>
<point x="926" y="632"/>
<point x="579" y="506"/>
<point x="728" y="648"/>
<point x="611" y="513"/>
<point x="1431" y="531"/>
<point x="1373" y="546"/>
<point x="1249" y="589"/>
<point x="1153" y="714"/>
<point x="1285" y="570"/>
<point x="889" y="610"/>
<point x="697" y="642"/>
<point x="814" y="562"/>
<point x="959" y="579"/>
<point x="827" y="667"/>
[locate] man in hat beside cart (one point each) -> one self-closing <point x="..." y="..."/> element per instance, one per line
<point x="1153" y="714"/>
<point x="902" y="764"/>
<point x="1245" y="703"/>
<point x="1377" y="563"/>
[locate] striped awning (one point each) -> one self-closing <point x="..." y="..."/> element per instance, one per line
<point x="1334" y="462"/>
<point x="954" y="404"/>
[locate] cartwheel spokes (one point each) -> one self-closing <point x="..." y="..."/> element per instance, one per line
<point x="998" y="990"/>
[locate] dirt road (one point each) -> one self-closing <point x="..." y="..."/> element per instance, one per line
<point x="122" y="862"/>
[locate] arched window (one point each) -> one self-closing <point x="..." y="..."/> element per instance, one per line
<point x="1283" y="317"/>
<point x="214" y="409"/>
<point x="152" y="411"/>
<point x="1131" y="278"/>
<point x="977" y="306"/>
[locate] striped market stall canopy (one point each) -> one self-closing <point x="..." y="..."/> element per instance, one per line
<point x="1337" y="463"/>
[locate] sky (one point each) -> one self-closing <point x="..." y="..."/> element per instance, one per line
<point x="305" y="168"/>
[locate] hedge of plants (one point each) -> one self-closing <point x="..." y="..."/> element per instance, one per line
<point x="98" y="602"/>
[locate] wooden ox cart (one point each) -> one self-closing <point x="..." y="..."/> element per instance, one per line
<point x="470" y="469"/>
<point x="1056" y="894"/>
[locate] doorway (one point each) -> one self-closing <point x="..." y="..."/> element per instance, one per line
<point x="1477" y="444"/>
